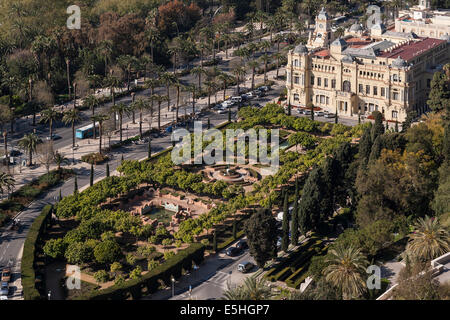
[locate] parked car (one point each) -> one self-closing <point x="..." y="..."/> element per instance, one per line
<point x="300" y="111"/>
<point x="6" y="275"/>
<point x="260" y="93"/>
<point x="242" y="245"/>
<point x="236" y="99"/>
<point x="307" y="112"/>
<point x="251" y="94"/>
<point x="245" y="266"/>
<point x="264" y="88"/>
<point x="329" y="115"/>
<point x="53" y="137"/>
<point x="257" y="105"/>
<point x="233" y="251"/>
<point x="222" y="111"/>
<point x="14" y="153"/>
<point x="319" y="113"/>
<point x="245" y="97"/>
<point x="4" y="290"/>
<point x="227" y="104"/>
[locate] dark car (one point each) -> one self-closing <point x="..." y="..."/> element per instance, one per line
<point x="245" y="267"/>
<point x="14" y="153"/>
<point x="53" y="137"/>
<point x="233" y="251"/>
<point x="257" y="105"/>
<point x="242" y="245"/>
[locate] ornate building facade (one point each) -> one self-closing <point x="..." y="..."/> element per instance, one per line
<point x="366" y="71"/>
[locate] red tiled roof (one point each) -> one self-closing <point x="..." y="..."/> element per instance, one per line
<point x="357" y="42"/>
<point x="322" y="53"/>
<point x="413" y="49"/>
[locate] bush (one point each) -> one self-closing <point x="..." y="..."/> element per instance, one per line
<point x="107" y="252"/>
<point x="136" y="273"/>
<point x="101" y="276"/>
<point x="95" y="158"/>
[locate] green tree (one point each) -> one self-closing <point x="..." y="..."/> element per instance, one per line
<point x="346" y="270"/>
<point x="261" y="232"/>
<point x="107" y="252"/>
<point x="101" y="276"/>
<point x="72" y="116"/>
<point x="294" y="227"/>
<point x="439" y="96"/>
<point x="29" y="143"/>
<point x="50" y="115"/>
<point x="285" y="226"/>
<point x="429" y="239"/>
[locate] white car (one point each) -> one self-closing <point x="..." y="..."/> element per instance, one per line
<point x="227" y="104"/>
<point x="236" y="99"/>
<point x="319" y="113"/>
<point x="221" y="111"/>
<point x="330" y="115"/>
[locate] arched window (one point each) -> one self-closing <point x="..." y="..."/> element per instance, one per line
<point x="346" y="86"/>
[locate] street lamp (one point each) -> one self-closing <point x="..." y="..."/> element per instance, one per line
<point x="173" y="285"/>
<point x="49" y="294"/>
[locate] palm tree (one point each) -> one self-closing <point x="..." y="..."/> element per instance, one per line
<point x="48" y="116"/>
<point x="346" y="271"/>
<point x="141" y="105"/>
<point x="29" y="143"/>
<point x="152" y="84"/>
<point x="106" y="51"/>
<point x="252" y="289"/>
<point x="59" y="159"/>
<point x="168" y="79"/>
<point x="159" y="99"/>
<point x="72" y="116"/>
<point x="121" y="109"/>
<point x="210" y="85"/>
<point x="253" y="65"/>
<point x="265" y="58"/>
<point x="6" y="182"/>
<point x="238" y="71"/>
<point x="224" y="78"/>
<point x="198" y="71"/>
<point x="100" y="118"/>
<point x="429" y="239"/>
<point x="277" y="57"/>
<point x="92" y="102"/>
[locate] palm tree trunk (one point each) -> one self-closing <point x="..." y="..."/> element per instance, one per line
<point x="253" y="78"/>
<point x="100" y="138"/>
<point x="120" y="126"/>
<point x="178" y="104"/>
<point x="140" y="123"/>
<point x="159" y="115"/>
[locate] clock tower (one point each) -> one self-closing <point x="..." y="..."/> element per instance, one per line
<point x="322" y="35"/>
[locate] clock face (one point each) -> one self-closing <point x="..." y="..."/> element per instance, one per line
<point x="320" y="25"/>
<point x="319" y="35"/>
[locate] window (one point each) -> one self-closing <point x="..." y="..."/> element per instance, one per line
<point x="325" y="82"/>
<point x="360" y="90"/>
<point x="367" y="89"/>
<point x="296" y="80"/>
<point x="395" y="95"/>
<point x="317" y="99"/>
<point x="296" y="97"/>
<point x="394" y="114"/>
<point x="375" y="90"/>
<point x="296" y="63"/>
<point x="312" y="80"/>
<point x="382" y="92"/>
<point x="319" y="81"/>
<point x="322" y="99"/>
<point x="333" y="83"/>
<point x="328" y="101"/>
<point x="346" y="86"/>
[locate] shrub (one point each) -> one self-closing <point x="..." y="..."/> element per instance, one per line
<point x="136" y="273"/>
<point x="131" y="259"/>
<point x="107" y="252"/>
<point x="95" y="158"/>
<point x="116" y="266"/>
<point x="168" y="255"/>
<point x="152" y="264"/>
<point x="55" y="248"/>
<point x="101" y="276"/>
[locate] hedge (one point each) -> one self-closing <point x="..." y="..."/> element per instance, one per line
<point x="148" y="283"/>
<point x="29" y="254"/>
<point x="301" y="274"/>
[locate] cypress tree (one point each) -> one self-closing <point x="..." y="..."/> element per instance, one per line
<point x="396" y="126"/>
<point x="376" y="149"/>
<point x="149" y="155"/>
<point x="75" y="185"/>
<point x="121" y="159"/>
<point x="91" y="178"/>
<point x="209" y="123"/>
<point x="229" y="114"/>
<point x="60" y="195"/>
<point x="107" y="169"/>
<point x="215" y="241"/>
<point x="312" y="112"/>
<point x="377" y="128"/>
<point x="310" y="205"/>
<point x="387" y="126"/>
<point x="285" y="237"/>
<point x="289" y="109"/>
<point x="365" y="146"/>
<point x="261" y="232"/>
<point x="294" y="227"/>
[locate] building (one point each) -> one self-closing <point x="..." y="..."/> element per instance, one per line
<point x="366" y="71"/>
<point x="423" y="21"/>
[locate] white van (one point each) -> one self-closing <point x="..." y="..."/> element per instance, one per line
<point x="236" y="99"/>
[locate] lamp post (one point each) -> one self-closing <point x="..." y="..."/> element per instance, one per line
<point x="172" y="279"/>
<point x="49" y="295"/>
